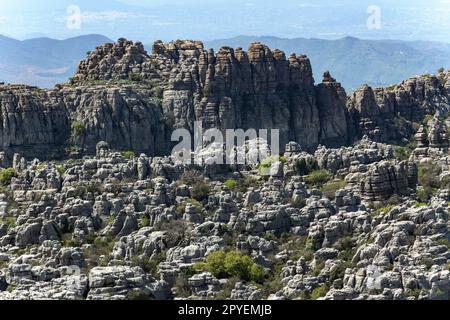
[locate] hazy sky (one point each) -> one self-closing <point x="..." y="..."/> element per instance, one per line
<point x="147" y="20"/>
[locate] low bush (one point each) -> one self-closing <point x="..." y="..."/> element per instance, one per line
<point x="384" y="210"/>
<point x="243" y="184"/>
<point x="78" y="128"/>
<point x="233" y="264"/>
<point x="134" y="77"/>
<point x="304" y="167"/>
<point x="318" y="178"/>
<point x="267" y="163"/>
<point x="200" y="188"/>
<point x="128" y="155"/>
<point x="181" y="209"/>
<point x="10" y="222"/>
<point x="329" y="189"/>
<point x="319" y="292"/>
<point x="6" y="176"/>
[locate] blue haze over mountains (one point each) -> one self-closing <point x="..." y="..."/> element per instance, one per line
<point x="327" y="31"/>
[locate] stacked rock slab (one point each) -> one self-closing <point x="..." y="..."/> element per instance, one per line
<point x="385" y="179"/>
<point x="133" y="100"/>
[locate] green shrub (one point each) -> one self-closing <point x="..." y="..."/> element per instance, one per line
<point x="159" y="92"/>
<point x="6" y="176"/>
<point x="427" y="262"/>
<point x="319" y="292"/>
<point x="10" y="222"/>
<point x="41" y="166"/>
<point x="424" y="195"/>
<point x="297" y="247"/>
<point x="267" y="163"/>
<point x="128" y="155"/>
<point x="318" y="178"/>
<point x="233" y="264"/>
<point x="403" y="153"/>
<point x="320" y="265"/>
<point x="231" y="184"/>
<point x="176" y="231"/>
<point x="420" y="205"/>
<point x="78" y="128"/>
<point x="391" y="88"/>
<point x="384" y="210"/>
<point x="329" y="189"/>
<point x="200" y="188"/>
<point x="304" y="167"/>
<point x="149" y="265"/>
<point x="135" y="77"/>
<point x="144" y="222"/>
<point x="243" y="184"/>
<point x="61" y="170"/>
<point x="181" y="209"/>
<point x="138" y="295"/>
<point x="444" y="242"/>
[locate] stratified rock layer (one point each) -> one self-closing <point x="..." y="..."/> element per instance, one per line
<point x="133" y="100"/>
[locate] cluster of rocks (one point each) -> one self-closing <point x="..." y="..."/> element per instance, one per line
<point x="121" y="93"/>
<point x="346" y="213"/>
<point x="112" y="227"/>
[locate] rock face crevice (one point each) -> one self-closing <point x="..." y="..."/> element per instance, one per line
<point x="133" y="100"/>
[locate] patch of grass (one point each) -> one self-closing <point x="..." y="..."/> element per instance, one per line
<point x="138" y="295"/>
<point x="134" y="77"/>
<point x="181" y="209"/>
<point x="414" y="293"/>
<point x="159" y="93"/>
<point x="78" y="128"/>
<point x="319" y="292"/>
<point x="128" y="155"/>
<point x="318" y="268"/>
<point x="318" y="178"/>
<point x="11" y="222"/>
<point x="384" y="210"/>
<point x="226" y="289"/>
<point x="101" y="246"/>
<point x="427" y="262"/>
<point x="329" y="189"/>
<point x="267" y="163"/>
<point x="444" y="242"/>
<point x="41" y="166"/>
<point x="231" y="184"/>
<point x="61" y="169"/>
<point x="297" y="247"/>
<point x="403" y="153"/>
<point x="144" y="222"/>
<point x="149" y="265"/>
<point x="242" y="185"/>
<point x="6" y="176"/>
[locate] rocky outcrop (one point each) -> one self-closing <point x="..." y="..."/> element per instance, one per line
<point x="380" y="110"/>
<point x="133" y="100"/>
<point x="382" y="180"/>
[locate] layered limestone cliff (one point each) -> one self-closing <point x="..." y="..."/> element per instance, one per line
<point x="133" y="100"/>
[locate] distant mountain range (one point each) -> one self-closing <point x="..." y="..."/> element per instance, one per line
<point x="355" y="62"/>
<point x="45" y="62"/>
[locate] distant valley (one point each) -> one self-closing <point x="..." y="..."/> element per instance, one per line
<point x="45" y="62"/>
<point x="355" y="62"/>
